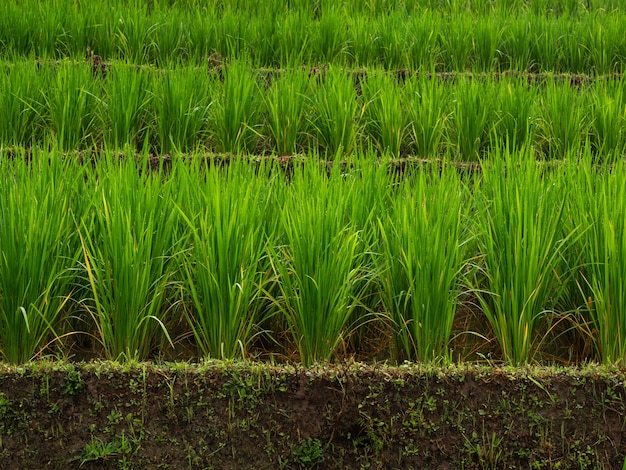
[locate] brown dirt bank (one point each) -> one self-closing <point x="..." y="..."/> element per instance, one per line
<point x="250" y="415"/>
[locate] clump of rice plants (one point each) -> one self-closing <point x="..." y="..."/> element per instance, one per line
<point x="472" y="119"/>
<point x="235" y="110"/>
<point x="429" y="112"/>
<point x="522" y="246"/>
<point x="608" y="119"/>
<point x="224" y="270"/>
<point x="21" y="105"/>
<point x="563" y="122"/>
<point x="73" y="105"/>
<point x="600" y="208"/>
<point x="319" y="263"/>
<point x="335" y="114"/>
<point x="182" y="105"/>
<point x="127" y="98"/>
<point x="424" y="251"/>
<point x="285" y="106"/>
<point x="385" y="117"/>
<point x="39" y="250"/>
<point x="516" y="111"/>
<point x="128" y="251"/>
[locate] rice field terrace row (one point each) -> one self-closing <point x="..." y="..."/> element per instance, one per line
<point x="240" y="110"/>
<point x="561" y="36"/>
<point x="518" y="263"/>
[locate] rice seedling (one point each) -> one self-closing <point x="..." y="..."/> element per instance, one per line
<point x="456" y="49"/>
<point x="20" y="103"/>
<point x="386" y="122"/>
<point x="389" y="41"/>
<point x="486" y="38"/>
<point x="127" y="95"/>
<point x="234" y="116"/>
<point x="517" y="120"/>
<point x="74" y="102"/>
<point x="128" y="247"/>
<point x="224" y="270"/>
<point x="336" y="111"/>
<point x="38" y="251"/>
<point x="284" y="111"/>
<point x="429" y="111"/>
<point x="329" y="40"/>
<point x="134" y="34"/>
<point x="423" y="255"/>
<point x="293" y="47"/>
<point x="563" y="123"/>
<point x="521" y="239"/>
<point x="515" y="47"/>
<point x="182" y="110"/>
<point x="473" y="119"/>
<point x="608" y="119"/>
<point x="373" y="195"/>
<point x="424" y="51"/>
<point x="600" y="206"/>
<point x="320" y="267"/>
<point x="544" y="40"/>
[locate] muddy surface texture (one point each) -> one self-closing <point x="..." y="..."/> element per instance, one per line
<point x="250" y="415"/>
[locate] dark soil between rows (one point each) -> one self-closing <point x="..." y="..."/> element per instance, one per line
<point x="251" y="415"/>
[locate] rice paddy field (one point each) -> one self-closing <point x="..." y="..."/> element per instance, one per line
<point x="308" y="184"/>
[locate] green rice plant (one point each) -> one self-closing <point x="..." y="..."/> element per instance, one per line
<point x="329" y="40"/>
<point x="182" y="109"/>
<point x="424" y="50"/>
<point x="574" y="56"/>
<point x="486" y="38"/>
<point x="520" y="234"/>
<point x="456" y="44"/>
<point x="600" y="207"/>
<point x="386" y="122"/>
<point x="517" y="120"/>
<point x="234" y="117"/>
<point x="603" y="44"/>
<point x="563" y="121"/>
<point x="320" y="267"/>
<point x="367" y="203"/>
<point x="38" y="252"/>
<point x="544" y="45"/>
<point x="224" y="270"/>
<point x="172" y="41"/>
<point x="389" y="41"/>
<point x="127" y="99"/>
<point x="429" y="112"/>
<point x="422" y="258"/>
<point x="293" y="44"/>
<point x="608" y="119"/>
<point x="134" y="34"/>
<point x="20" y="103"/>
<point x="335" y="114"/>
<point x="473" y="118"/>
<point x="285" y="111"/>
<point x="361" y="42"/>
<point x="74" y="102"/>
<point x="515" y="47"/>
<point x="128" y="247"/>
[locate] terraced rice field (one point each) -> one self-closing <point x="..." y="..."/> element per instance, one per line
<point x="313" y="181"/>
